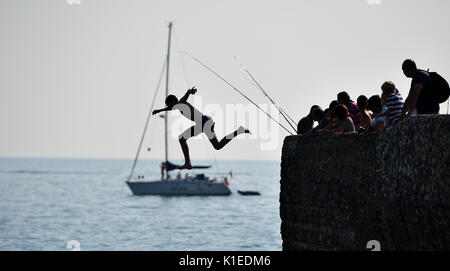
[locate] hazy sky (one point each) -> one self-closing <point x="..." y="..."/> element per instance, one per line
<point x="77" y="80"/>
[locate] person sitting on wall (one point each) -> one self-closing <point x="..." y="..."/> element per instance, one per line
<point x="344" y="123"/>
<point x="322" y="117"/>
<point x="420" y="99"/>
<point x="326" y="122"/>
<point x="306" y="124"/>
<point x="394" y="102"/>
<point x="366" y="119"/>
<point x="351" y="106"/>
<point x="323" y="122"/>
<point x="375" y="105"/>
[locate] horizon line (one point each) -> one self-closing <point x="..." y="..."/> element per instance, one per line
<point x="125" y="158"/>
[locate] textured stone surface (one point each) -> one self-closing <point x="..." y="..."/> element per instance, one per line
<point x="338" y="192"/>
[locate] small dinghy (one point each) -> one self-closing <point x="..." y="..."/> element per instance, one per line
<point x="249" y="193"/>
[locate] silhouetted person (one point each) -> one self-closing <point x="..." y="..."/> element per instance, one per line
<point x="352" y="108"/>
<point x="344" y="123"/>
<point x="306" y="124"/>
<point x="394" y="102"/>
<point x="326" y="123"/>
<point x="323" y="117"/>
<point x="333" y="104"/>
<point x="375" y="105"/>
<point x="203" y="124"/>
<point x="366" y="119"/>
<point x="420" y="99"/>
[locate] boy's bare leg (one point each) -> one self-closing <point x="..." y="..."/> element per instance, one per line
<point x="224" y="141"/>
<point x="192" y="131"/>
<point x="185" y="149"/>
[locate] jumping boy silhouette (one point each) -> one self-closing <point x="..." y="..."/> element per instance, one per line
<point x="203" y="124"/>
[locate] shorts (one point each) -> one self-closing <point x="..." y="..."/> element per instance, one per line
<point x="205" y="126"/>
<point x="427" y="105"/>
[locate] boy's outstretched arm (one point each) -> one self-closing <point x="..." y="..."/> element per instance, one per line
<point x="190" y="91"/>
<point x="161" y="110"/>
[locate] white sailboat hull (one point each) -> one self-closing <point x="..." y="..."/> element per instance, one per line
<point x="179" y="187"/>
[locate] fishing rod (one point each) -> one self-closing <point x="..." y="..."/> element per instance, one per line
<point x="236" y="89"/>
<point x="284" y="112"/>
<point x="280" y="110"/>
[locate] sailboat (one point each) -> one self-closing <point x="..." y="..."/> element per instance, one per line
<point x="198" y="184"/>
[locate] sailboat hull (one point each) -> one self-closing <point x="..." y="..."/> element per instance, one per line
<point x="179" y="187"/>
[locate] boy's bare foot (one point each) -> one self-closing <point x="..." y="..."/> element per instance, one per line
<point x="185" y="166"/>
<point x="242" y="130"/>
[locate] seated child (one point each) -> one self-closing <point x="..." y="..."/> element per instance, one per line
<point x="379" y="121"/>
<point x="394" y="102"/>
<point x="366" y="119"/>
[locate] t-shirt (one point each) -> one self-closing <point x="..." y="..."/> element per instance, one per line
<point x="304" y="125"/>
<point x="347" y="124"/>
<point x="380" y="118"/>
<point x="394" y="102"/>
<point x="426" y="103"/>
<point x="355" y="115"/>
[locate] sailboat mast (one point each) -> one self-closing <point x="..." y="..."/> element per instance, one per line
<point x="167" y="93"/>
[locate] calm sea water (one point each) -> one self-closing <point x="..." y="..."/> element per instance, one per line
<point x="44" y="203"/>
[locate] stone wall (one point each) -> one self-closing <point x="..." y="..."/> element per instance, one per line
<point x="338" y="192"/>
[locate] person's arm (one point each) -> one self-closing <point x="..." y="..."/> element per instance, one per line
<point x="309" y="128"/>
<point x="366" y="122"/>
<point x="411" y="100"/>
<point x="161" y="110"/>
<point x="304" y="126"/>
<point x="190" y="91"/>
<point x="385" y="113"/>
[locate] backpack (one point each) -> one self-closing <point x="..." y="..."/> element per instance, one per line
<point x="439" y="87"/>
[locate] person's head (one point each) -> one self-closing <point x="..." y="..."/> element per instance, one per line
<point x="343" y="97"/>
<point x="409" y="68"/>
<point x="171" y="100"/>
<point x="341" y="111"/>
<point x="374" y="104"/>
<point x="388" y="87"/>
<point x="317" y="114"/>
<point x="314" y="107"/>
<point x="333" y="104"/>
<point x="362" y="102"/>
<point x="331" y="107"/>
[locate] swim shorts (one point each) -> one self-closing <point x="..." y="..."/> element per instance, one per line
<point x="205" y="126"/>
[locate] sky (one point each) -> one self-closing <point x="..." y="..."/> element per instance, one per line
<point x="77" y="77"/>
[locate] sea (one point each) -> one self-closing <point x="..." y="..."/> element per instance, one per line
<point x="85" y="204"/>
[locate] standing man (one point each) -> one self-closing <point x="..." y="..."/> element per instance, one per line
<point x="420" y="100"/>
